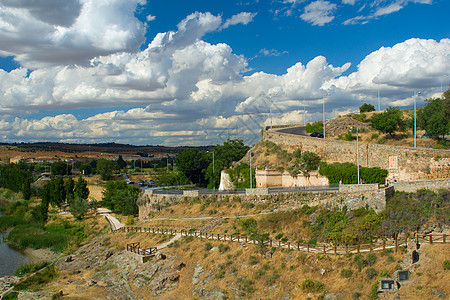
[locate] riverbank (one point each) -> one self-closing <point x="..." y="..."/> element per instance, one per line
<point x="39" y="255"/>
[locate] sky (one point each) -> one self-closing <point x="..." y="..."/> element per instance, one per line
<point x="198" y="72"/>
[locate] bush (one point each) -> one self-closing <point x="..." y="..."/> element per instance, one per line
<point x="252" y="260"/>
<point x="371" y="273"/>
<point x="347" y="172"/>
<point x="208" y="246"/>
<point x="314" y="127"/>
<point x="223" y="248"/>
<point x="29" y="268"/>
<point x="130" y="220"/>
<point x="346" y="273"/>
<point x="446" y="264"/>
<point x="311" y="286"/>
<point x="366" y="108"/>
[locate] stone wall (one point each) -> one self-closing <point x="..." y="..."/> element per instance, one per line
<point x="413" y="186"/>
<point x="403" y="163"/>
<point x="355" y="188"/>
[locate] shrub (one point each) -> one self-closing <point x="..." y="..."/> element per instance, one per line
<point x="371" y="258"/>
<point x="252" y="260"/>
<point x="223" y="248"/>
<point x="446" y="264"/>
<point x="374" y="290"/>
<point x="314" y="127"/>
<point x="208" y="246"/>
<point x="346" y="273"/>
<point x="385" y="274"/>
<point x="371" y="273"/>
<point x="366" y="108"/>
<point x="130" y="220"/>
<point x="311" y="286"/>
<point x="29" y="268"/>
<point x="374" y="136"/>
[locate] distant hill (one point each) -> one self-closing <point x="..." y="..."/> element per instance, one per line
<point x="102" y="147"/>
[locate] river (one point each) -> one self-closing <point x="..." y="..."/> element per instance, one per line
<point x="10" y="258"/>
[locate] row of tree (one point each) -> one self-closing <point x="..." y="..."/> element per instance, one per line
<point x="203" y="168"/>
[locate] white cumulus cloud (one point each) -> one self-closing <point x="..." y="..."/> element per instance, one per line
<point x="319" y="12"/>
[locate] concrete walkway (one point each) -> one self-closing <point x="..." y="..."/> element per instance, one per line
<point x="175" y="238"/>
<point x="113" y="222"/>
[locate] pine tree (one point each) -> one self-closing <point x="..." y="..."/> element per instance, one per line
<point x="81" y="189"/>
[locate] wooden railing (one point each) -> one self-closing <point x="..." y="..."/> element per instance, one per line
<point x="379" y="245"/>
<point x="136" y="248"/>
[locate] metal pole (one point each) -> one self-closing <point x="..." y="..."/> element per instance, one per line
<point x="323" y="117"/>
<point x="214" y="184"/>
<point x="251" y="183"/>
<point x="270" y="112"/>
<point x="379" y="106"/>
<point x="414" y="118"/>
<point x="357" y="152"/>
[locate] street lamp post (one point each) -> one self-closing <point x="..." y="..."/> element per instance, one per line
<point x="415" y="133"/>
<point x="251" y="183"/>
<point x="323" y="117"/>
<point x="214" y="185"/>
<point x="357" y="152"/>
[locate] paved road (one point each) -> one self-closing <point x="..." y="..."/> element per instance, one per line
<point x="300" y="130"/>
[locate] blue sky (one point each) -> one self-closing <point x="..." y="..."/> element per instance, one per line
<point x="195" y="72"/>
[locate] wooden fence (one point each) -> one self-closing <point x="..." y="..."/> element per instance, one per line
<point x="379" y="245"/>
<point x="136" y="248"/>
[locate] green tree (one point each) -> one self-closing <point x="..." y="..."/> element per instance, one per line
<point x="81" y="190"/>
<point x="192" y="162"/>
<point x="26" y="188"/>
<point x="69" y="186"/>
<point x="224" y="156"/>
<point x="60" y="168"/>
<point x="389" y="121"/>
<point x="121" y="163"/>
<point x="58" y="193"/>
<point x="314" y="127"/>
<point x="366" y="108"/>
<point x="79" y="207"/>
<point x="446" y="104"/>
<point x="86" y="169"/>
<point x="40" y="212"/>
<point x="432" y="118"/>
<point x="105" y="167"/>
<point x="121" y="197"/>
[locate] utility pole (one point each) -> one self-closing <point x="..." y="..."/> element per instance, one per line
<point x="251" y="183"/>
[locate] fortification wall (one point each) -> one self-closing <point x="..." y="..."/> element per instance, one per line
<point x="403" y="163"/>
<point x="413" y="186"/>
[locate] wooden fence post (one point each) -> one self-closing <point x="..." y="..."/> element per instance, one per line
<point x="289" y="245"/>
<point x="335" y="250"/>
<point x="384" y="244"/>
<point x="270" y="241"/>
<point x="431" y="239"/>
<point x="308" y="248"/>
<point x="443" y="238"/>
<point x="357" y="249"/>
<point x="396" y="243"/>
<point x="298" y="246"/>
<point x="324" y="250"/>
<point x="371" y="247"/>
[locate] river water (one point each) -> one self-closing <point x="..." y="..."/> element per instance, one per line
<point x="10" y="258"/>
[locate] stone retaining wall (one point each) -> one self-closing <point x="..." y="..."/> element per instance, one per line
<point x="403" y="163"/>
<point x="413" y="186"/>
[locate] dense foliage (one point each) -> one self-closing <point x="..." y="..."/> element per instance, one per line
<point x="432" y="118"/>
<point x="389" y="121"/>
<point x="240" y="176"/>
<point x="121" y="197"/>
<point x="406" y="212"/>
<point x="314" y="127"/>
<point x="224" y="156"/>
<point x="16" y="177"/>
<point x="366" y="108"/>
<point x="347" y="172"/>
<point x="192" y="162"/>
